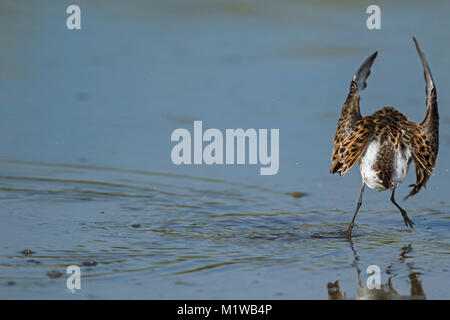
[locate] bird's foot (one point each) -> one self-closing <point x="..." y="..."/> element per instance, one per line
<point x="408" y="221"/>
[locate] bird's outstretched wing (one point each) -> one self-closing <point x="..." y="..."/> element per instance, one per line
<point x="352" y="131"/>
<point x="424" y="139"/>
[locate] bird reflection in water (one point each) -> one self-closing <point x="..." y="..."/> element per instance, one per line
<point x="386" y="291"/>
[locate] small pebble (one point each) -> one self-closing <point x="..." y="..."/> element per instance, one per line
<point x="89" y="263"/>
<point x="297" y="194"/>
<point x="27" y="252"/>
<point x="54" y="274"/>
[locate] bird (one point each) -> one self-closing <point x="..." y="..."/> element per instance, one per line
<point x="386" y="142"/>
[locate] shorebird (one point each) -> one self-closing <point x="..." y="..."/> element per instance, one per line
<point x="386" y="142"/>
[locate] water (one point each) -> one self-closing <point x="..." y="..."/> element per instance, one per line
<point x="85" y="170"/>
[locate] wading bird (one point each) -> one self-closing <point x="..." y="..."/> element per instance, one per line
<point x="385" y="142"/>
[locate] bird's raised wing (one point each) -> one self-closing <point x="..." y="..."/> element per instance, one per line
<point x="424" y="140"/>
<point x="352" y="131"/>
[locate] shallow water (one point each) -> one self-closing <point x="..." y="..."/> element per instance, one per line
<point x="86" y="177"/>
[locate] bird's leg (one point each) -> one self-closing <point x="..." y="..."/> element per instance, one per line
<point x="408" y="221"/>
<point x="350" y="227"/>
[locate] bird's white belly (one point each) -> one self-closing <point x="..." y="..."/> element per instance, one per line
<point x="402" y="160"/>
<point x="367" y="163"/>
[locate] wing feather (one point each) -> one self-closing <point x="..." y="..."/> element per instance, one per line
<point x="349" y="148"/>
<point x="424" y="151"/>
